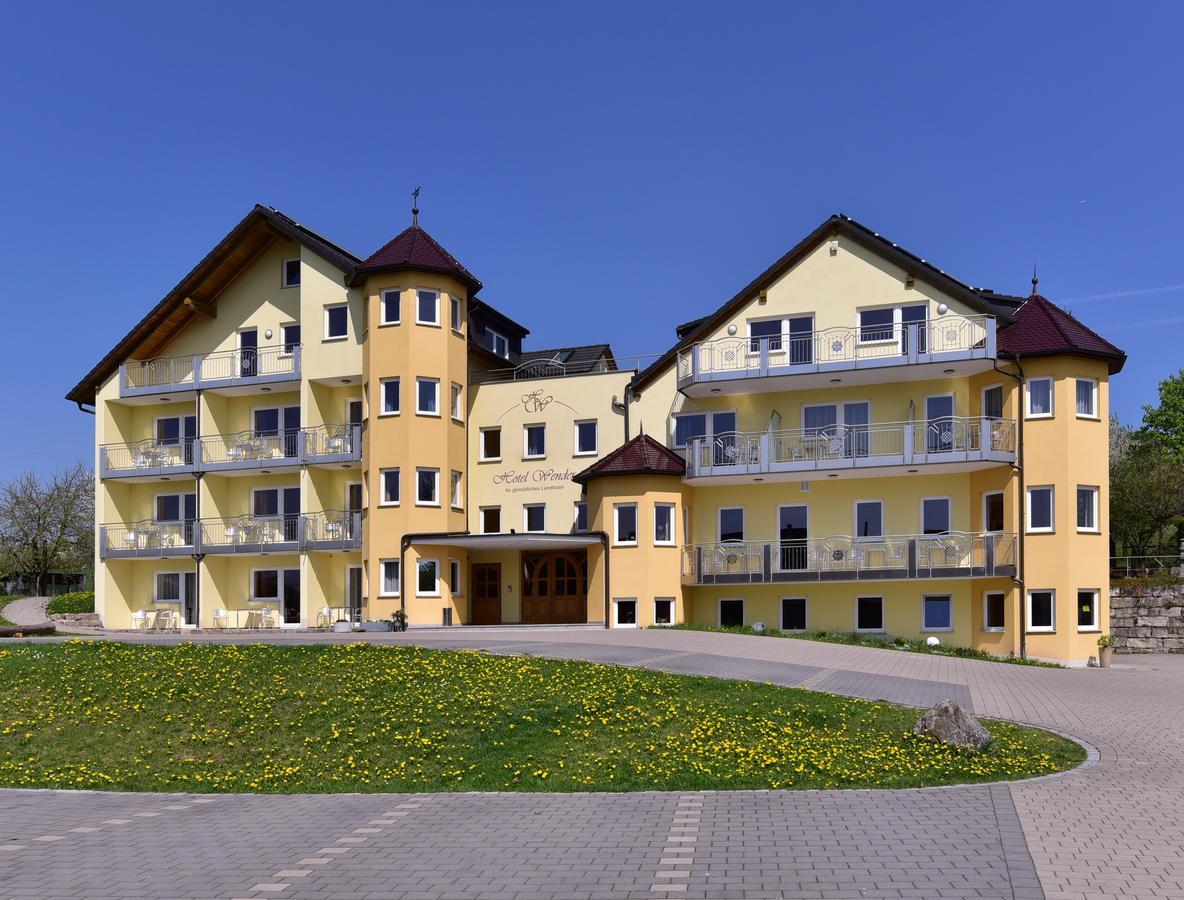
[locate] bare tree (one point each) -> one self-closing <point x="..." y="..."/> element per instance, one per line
<point x="47" y="524"/>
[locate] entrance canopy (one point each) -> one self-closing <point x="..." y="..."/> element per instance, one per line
<point x="535" y="541"/>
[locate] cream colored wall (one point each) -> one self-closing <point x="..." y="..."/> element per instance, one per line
<point x="514" y="481"/>
<point x="321" y="283"/>
<point x="426" y="608"/>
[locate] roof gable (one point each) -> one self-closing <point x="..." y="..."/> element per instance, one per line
<point x="414" y="248"/>
<point x="1042" y="328"/>
<point x="641" y="456"/>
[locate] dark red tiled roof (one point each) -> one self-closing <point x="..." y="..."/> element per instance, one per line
<point x="1041" y="327"/>
<point x="414" y="248"/>
<point x="640" y="456"/>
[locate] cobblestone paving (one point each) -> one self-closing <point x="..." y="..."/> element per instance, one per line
<point x="1112" y="829"/>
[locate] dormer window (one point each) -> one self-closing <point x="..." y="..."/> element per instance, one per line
<point x="497" y="343"/>
<point x="290" y="273"/>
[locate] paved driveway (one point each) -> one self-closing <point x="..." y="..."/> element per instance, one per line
<point x="1113" y="828"/>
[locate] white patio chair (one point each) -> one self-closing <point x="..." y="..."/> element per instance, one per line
<point x="267" y="618"/>
<point x="139" y="619"/>
<point x="325" y="617"/>
<point x="221" y="618"/>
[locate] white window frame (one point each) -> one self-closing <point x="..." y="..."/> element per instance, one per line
<point x="526" y="440"/>
<point x="456" y="479"/>
<point x="595" y="437"/>
<point x="435" y="592"/>
<point x="454" y="311"/>
<point x="435" y="490"/>
<point x="382" y="591"/>
<point x="494" y="336"/>
<point x="382" y="473"/>
<point x="855" y="521"/>
<point x="1041" y="629"/>
<point x="897" y="325"/>
<point x="284" y="283"/>
<point x="382" y="306"/>
<point x="616" y="615"/>
<point x="284" y="342"/>
<point x="999" y="494"/>
<point x="1052" y="509"/>
<point x="673" y="541"/>
<point x="949" y="516"/>
<point x="418" y="320"/>
<point x="1083" y="629"/>
<point x="673" y="611"/>
<point x="994" y="629"/>
<point x="576" y="520"/>
<point x="883" y="615"/>
<point x="278" y="490"/>
<point x="481" y="457"/>
<point x="781" y="612"/>
<point x="279" y="585"/>
<point x="1096" y="528"/>
<point x="382" y="383"/>
<point x="435" y="382"/>
<point x="982" y="399"/>
<point x="455" y="587"/>
<point x="926" y="630"/>
<point x="339" y="337"/>
<point x="157" y="598"/>
<point x="719" y="524"/>
<point x="1052" y="398"/>
<point x="481" y="511"/>
<point x="708" y="423"/>
<point x="719" y="610"/>
<point x="456" y="410"/>
<point x="526" y="507"/>
<point x="617" y="542"/>
<point x="1093" y="382"/>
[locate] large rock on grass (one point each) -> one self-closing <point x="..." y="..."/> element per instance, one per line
<point x="951" y="724"/>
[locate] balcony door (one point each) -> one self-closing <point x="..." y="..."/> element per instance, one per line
<point x="270" y="422"/>
<point x="353" y="593"/>
<point x="792" y="532"/>
<point x="189" y="599"/>
<point x="939" y="423"/>
<point x="177" y="431"/>
<point x="291" y="597"/>
<point x="177" y="508"/>
<point x="353" y="507"/>
<point x="832" y="439"/>
<point x="291" y="513"/>
<point x="248" y="352"/>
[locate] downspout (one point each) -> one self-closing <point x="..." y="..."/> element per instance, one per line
<point x="624" y="408"/>
<point x="607" y="591"/>
<point x="198" y="557"/>
<point x="1023" y="501"/>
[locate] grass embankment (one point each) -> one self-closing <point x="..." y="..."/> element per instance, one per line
<point x="4" y="601"/>
<point x="362" y="717"/>
<point x="75" y="602"/>
<point x="872" y="640"/>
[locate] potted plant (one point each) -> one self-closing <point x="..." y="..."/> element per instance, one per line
<point x="1105" y="650"/>
<point x="399" y="620"/>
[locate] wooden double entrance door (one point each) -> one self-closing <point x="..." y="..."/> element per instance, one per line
<point x="555" y="587"/>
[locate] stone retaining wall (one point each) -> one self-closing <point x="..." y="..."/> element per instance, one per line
<point x="1146" y="619"/>
<point x="78" y="620"/>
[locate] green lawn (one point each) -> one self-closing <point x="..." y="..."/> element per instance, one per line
<point x="368" y="718"/>
<point x="4" y="601"/>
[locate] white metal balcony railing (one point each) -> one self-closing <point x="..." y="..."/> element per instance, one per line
<point x="945" y="440"/>
<point x="225" y="368"/>
<point x="241" y="450"/>
<point x="947" y="339"/>
<point x="328" y="530"/>
<point x="844" y="558"/>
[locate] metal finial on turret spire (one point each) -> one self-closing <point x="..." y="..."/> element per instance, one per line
<point x="1035" y="280"/>
<point x="415" y="206"/>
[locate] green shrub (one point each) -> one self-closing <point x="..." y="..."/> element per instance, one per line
<point x="76" y="602"/>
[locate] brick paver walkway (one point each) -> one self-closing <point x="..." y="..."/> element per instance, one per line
<point x="1112" y="829"/>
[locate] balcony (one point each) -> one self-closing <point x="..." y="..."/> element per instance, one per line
<point x="226" y="370"/>
<point x="844" y="558"/>
<point x="331" y="530"/>
<point x="890" y="448"/>
<point x="949" y="346"/>
<point x="244" y="451"/>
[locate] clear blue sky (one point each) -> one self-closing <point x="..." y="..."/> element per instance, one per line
<point x="643" y="160"/>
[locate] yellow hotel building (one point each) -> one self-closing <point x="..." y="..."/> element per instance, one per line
<point x="857" y="441"/>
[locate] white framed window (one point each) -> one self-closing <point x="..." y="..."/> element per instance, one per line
<point x="624" y="612"/>
<point x="534" y="517"/>
<point x="992" y="402"/>
<point x="586" y="437"/>
<point x="730" y="524"/>
<point x="490" y="445"/>
<point x="1087" y="508"/>
<point x="427" y="307"/>
<point x="491" y="519"/>
<point x="663" y="610"/>
<point x="994" y="610"/>
<point x="869" y="519"/>
<point x="290" y="337"/>
<point x="1039" y="399"/>
<point x="937" y="612"/>
<point x="688" y="426"/>
<point x="497" y="343"/>
<point x="427" y="396"/>
<point x="993" y="512"/>
<point x="336" y="322"/>
<point x="427" y="578"/>
<point x="1041" y="509"/>
<point x="935" y="515"/>
<point x="581" y="523"/>
<point x="427" y="487"/>
<point x="1087" y="398"/>
<point x="1088" y="615"/>
<point x="390" y="306"/>
<point x="625" y="524"/>
<point x="729" y="612"/>
<point x="454" y="306"/>
<point x="455" y="407"/>
<point x="664" y="524"/>
<point x="388" y="389"/>
<point x="793" y="614"/>
<point x="169" y="587"/>
<point x="454" y="584"/>
<point x="457" y="498"/>
<point x="1042" y="611"/>
<point x="389" y="573"/>
<point x="265" y="585"/>
<point x="290" y="273"/>
<point x="265" y="503"/>
<point x="389" y="479"/>
<point x="534" y="441"/>
<point x="869" y="614"/>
